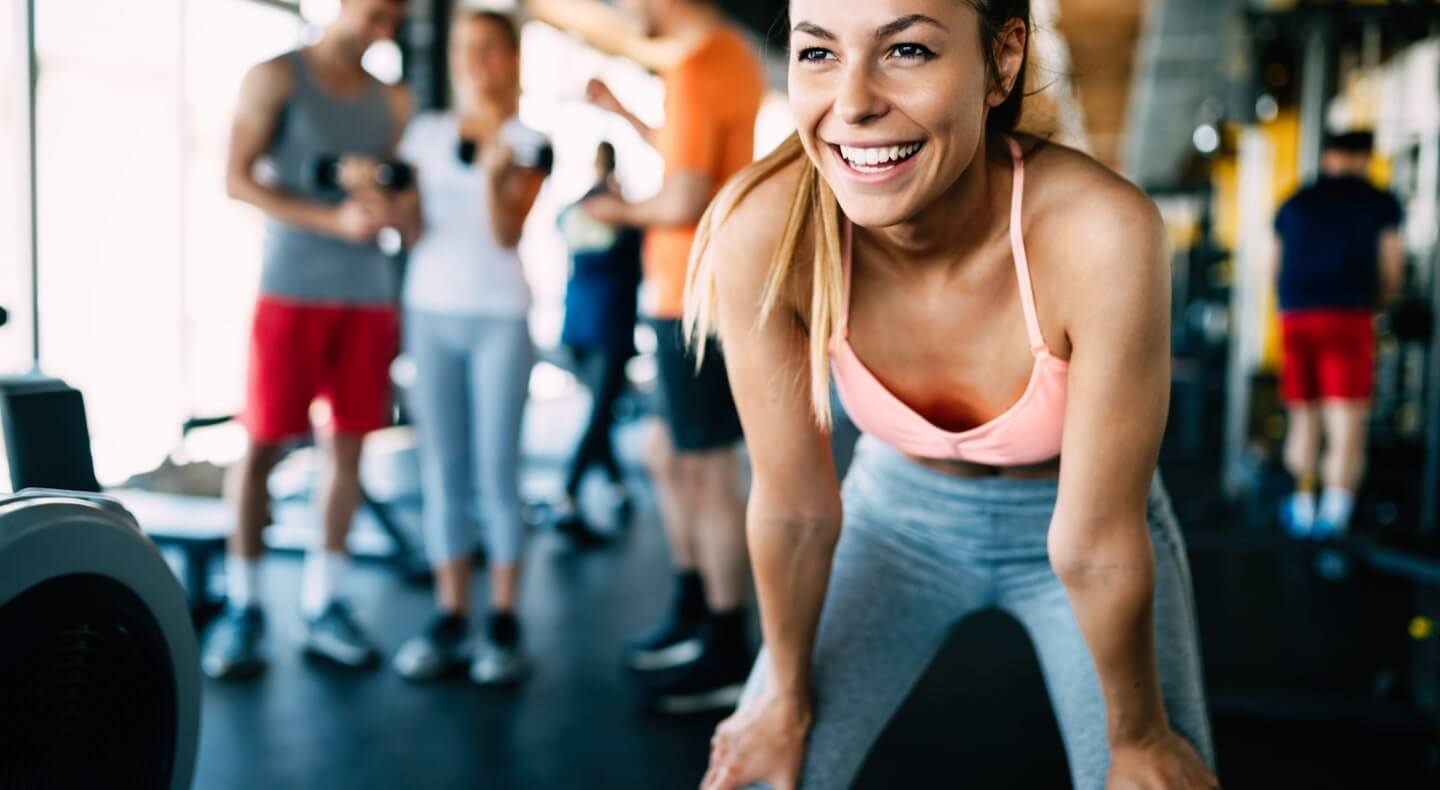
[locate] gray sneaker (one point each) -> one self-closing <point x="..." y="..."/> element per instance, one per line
<point x="499" y="665"/>
<point x="335" y="636"/>
<point x="444" y="644"/>
<point x="233" y="651"/>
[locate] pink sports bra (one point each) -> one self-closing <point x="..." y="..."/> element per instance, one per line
<point x="1026" y="433"/>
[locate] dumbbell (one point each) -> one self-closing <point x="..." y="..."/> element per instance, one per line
<point x="324" y="173"/>
<point x="533" y="157"/>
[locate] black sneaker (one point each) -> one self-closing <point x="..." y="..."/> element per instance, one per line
<point x="713" y="682"/>
<point x="500" y="660"/>
<point x="233" y="651"/>
<point x="444" y="645"/>
<point x="675" y="642"/>
<point x="335" y="636"/>
<point x="580" y="534"/>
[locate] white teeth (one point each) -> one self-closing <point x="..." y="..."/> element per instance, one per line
<point x="871" y="157"/>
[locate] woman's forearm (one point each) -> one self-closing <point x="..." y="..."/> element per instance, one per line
<point x="792" y="559"/>
<point x="503" y="222"/>
<point x="1109" y="573"/>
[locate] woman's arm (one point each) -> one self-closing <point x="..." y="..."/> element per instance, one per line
<point x="512" y="192"/>
<point x="1117" y="317"/>
<point x="406" y="216"/>
<point x="794" y="513"/>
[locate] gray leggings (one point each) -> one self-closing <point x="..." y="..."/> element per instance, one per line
<point x="472" y="376"/>
<point x="919" y="551"/>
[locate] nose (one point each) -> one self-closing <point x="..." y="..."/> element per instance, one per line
<point x="856" y="100"/>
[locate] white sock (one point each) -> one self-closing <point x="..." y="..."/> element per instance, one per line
<point x="323" y="581"/>
<point x="242" y="581"/>
<point x="1336" y="505"/>
<point x="1302" y="508"/>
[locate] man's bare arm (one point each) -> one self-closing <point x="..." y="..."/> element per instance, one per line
<point x="262" y="98"/>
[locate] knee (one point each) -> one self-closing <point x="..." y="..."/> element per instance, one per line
<point x="690" y="469"/>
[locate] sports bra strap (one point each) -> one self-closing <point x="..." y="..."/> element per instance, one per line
<point x="1017" y="249"/>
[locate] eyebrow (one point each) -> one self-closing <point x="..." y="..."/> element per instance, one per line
<point x="883" y="32"/>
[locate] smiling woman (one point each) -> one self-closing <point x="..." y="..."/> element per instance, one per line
<point x="924" y="251"/>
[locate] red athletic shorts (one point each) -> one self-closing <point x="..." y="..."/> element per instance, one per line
<point x="301" y="352"/>
<point x="1329" y="355"/>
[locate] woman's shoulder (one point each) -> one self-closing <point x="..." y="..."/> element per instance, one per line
<point x="516" y="132"/>
<point x="1083" y="218"/>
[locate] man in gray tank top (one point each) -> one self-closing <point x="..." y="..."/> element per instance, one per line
<point x="325" y="324"/>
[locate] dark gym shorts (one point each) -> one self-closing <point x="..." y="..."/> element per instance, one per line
<point x="697" y="407"/>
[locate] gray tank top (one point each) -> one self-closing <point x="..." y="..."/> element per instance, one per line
<point x="300" y="265"/>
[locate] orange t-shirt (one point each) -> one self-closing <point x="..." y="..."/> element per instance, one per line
<point x="711" y="102"/>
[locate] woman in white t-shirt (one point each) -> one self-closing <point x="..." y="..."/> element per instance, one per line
<point x="465" y="303"/>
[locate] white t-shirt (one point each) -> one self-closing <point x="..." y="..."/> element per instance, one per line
<point x="458" y="266"/>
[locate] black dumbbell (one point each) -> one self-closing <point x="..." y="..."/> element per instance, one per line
<point x="324" y="173"/>
<point x="534" y="157"/>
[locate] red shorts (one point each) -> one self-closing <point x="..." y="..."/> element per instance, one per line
<point x="301" y="352"/>
<point x="1329" y="355"/>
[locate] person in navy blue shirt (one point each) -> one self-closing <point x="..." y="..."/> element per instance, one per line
<point x="599" y="331"/>
<point x="1340" y="259"/>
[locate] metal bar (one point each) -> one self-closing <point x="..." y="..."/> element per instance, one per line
<point x="283" y="5"/>
<point x="1430" y="483"/>
<point x="1315" y="86"/>
<point x="31" y="77"/>
<point x="182" y="57"/>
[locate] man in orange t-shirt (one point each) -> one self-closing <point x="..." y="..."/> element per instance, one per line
<point x="698" y="657"/>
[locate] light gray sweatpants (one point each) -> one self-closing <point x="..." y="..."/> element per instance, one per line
<point x="919" y="551"/>
<point x="472" y="377"/>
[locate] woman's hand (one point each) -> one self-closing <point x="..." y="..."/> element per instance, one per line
<point x="764" y="741"/>
<point x="1166" y="762"/>
<point x="496" y="157"/>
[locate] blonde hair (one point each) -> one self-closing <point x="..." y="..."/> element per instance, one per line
<point x="814" y="206"/>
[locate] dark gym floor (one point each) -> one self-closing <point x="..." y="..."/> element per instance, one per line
<point x="979" y="718"/>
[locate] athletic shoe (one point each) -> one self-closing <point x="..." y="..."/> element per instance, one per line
<point x="1297" y="524"/>
<point x="675" y="642"/>
<point x="335" y="636"/>
<point x="713" y="682"/>
<point x="444" y="644"/>
<point x="234" y="649"/>
<point x="499" y="665"/>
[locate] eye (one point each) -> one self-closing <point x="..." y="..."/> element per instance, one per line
<point x="912" y="52"/>
<point x="814" y="55"/>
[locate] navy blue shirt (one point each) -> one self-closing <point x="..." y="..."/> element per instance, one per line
<point x="600" y="299"/>
<point x="1330" y="243"/>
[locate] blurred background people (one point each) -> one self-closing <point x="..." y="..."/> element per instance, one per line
<point x="697" y="657"/>
<point x="599" y="332"/>
<point x="325" y="323"/>
<point x="1340" y="259"/>
<point x="466" y="301"/>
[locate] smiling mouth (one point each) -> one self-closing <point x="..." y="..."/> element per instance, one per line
<point x="877" y="159"/>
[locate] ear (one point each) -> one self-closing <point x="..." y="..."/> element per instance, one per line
<point x="1009" y="57"/>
